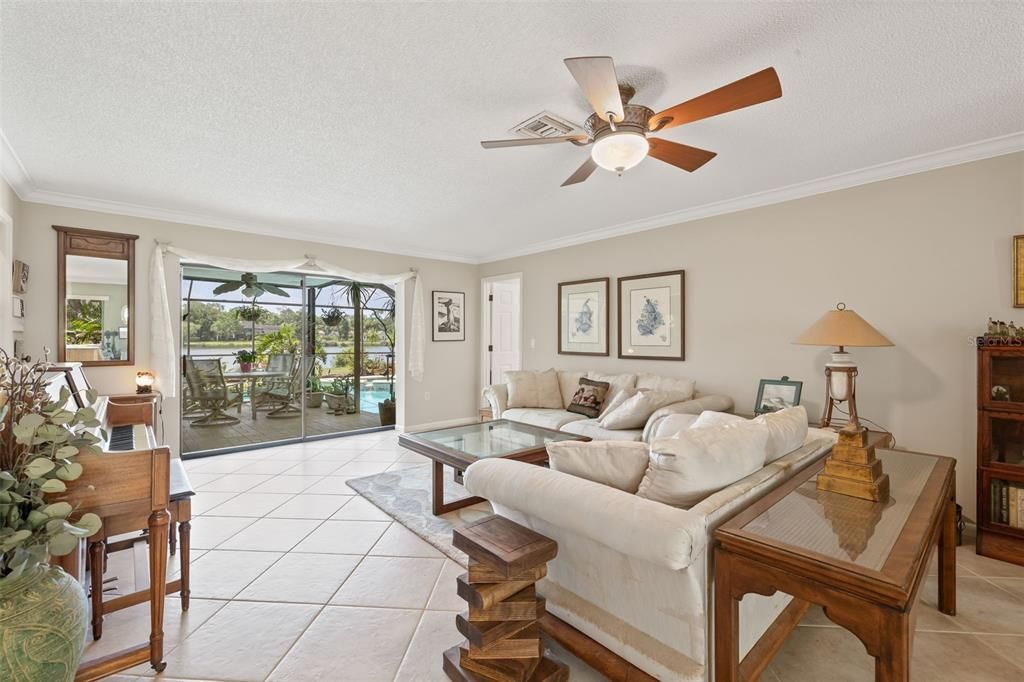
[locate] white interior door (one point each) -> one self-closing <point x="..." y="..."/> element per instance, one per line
<point x="503" y="351"/>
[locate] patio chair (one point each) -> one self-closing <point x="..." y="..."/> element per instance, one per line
<point x="266" y="396"/>
<point x="284" y="398"/>
<point x="205" y="379"/>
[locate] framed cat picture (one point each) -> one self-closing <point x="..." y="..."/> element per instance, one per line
<point x="583" y="317"/>
<point x="651" y="316"/>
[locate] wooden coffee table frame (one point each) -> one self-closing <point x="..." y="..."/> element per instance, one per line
<point x="458" y="460"/>
<point x="876" y="606"/>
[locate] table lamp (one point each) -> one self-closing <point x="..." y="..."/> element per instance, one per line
<point x="852" y="468"/>
<point x="144" y="382"/>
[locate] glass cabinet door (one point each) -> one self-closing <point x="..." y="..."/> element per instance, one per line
<point x="1002" y="439"/>
<point x="1002" y="385"/>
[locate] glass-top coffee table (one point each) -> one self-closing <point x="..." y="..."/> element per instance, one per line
<point x="460" y="446"/>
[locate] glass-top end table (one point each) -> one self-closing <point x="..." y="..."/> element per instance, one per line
<point x="862" y="561"/>
<point x="460" y="446"/>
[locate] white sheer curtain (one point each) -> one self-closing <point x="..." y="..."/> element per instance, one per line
<point x="165" y="351"/>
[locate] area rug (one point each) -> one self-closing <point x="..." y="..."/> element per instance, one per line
<point x="404" y="495"/>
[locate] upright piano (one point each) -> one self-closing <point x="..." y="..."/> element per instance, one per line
<point x="128" y="487"/>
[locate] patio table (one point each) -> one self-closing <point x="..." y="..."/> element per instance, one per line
<point x="252" y="376"/>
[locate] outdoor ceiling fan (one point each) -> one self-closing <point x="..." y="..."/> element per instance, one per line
<point x="620" y="131"/>
<point x="252" y="287"/>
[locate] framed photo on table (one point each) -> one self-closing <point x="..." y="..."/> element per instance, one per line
<point x="583" y="309"/>
<point x="651" y="316"/>
<point x="777" y="394"/>
<point x="448" y="315"/>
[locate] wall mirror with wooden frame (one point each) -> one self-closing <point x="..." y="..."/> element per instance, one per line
<point x="95" y="297"/>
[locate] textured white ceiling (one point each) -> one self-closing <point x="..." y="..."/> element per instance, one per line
<point x="359" y="123"/>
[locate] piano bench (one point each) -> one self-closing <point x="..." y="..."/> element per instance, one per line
<point x="180" y="508"/>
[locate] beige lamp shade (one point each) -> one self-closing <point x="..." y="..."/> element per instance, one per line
<point x="842" y="327"/>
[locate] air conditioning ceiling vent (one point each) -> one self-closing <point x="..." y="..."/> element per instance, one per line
<point x="545" y="124"/>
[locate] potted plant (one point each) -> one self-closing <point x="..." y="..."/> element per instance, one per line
<point x="338" y="395"/>
<point x="244" y="360"/>
<point x="43" y="610"/>
<point x="314" y="389"/>
<point x="332" y="317"/>
<point x="250" y="313"/>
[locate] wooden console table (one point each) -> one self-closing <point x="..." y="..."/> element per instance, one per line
<point x="862" y="561"/>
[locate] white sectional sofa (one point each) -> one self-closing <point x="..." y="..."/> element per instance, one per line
<point x="571" y="422"/>
<point x="632" y="573"/>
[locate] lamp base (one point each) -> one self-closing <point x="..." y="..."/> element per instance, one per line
<point x="852" y="468"/>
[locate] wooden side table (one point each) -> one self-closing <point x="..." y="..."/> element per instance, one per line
<point x="502" y="635"/>
<point x="862" y="561"/>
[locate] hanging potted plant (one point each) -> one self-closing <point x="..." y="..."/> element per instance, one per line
<point x="244" y="359"/>
<point x="43" y="610"/>
<point x="250" y="313"/>
<point x="332" y="317"/>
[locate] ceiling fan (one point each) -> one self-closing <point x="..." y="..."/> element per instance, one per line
<point x="253" y="287"/>
<point x="620" y="131"/>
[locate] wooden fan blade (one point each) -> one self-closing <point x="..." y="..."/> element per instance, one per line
<point x="526" y="141"/>
<point x="582" y="173"/>
<point x="679" y="155"/>
<point x="596" y="78"/>
<point x="754" y="89"/>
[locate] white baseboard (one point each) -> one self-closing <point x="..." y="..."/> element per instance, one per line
<point x="430" y="426"/>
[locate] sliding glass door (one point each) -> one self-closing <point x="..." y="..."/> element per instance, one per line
<point x="278" y="357"/>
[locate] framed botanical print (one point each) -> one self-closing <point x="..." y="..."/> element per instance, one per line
<point x="583" y="317"/>
<point x="651" y="316"/>
<point x="449" y="315"/>
<point x="1018" y="271"/>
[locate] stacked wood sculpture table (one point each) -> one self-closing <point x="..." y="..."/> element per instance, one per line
<point x="502" y="636"/>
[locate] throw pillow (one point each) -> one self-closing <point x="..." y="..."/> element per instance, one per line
<point x="568" y="382"/>
<point x="695" y="463"/>
<point x="533" y="389"/>
<point x="787" y="431"/>
<point x="619" y="464"/>
<point x="634" y="411"/>
<point x="616" y="383"/>
<point x="686" y="387"/>
<point x="622" y="396"/>
<point x="589" y="397"/>
<point x="712" y="418"/>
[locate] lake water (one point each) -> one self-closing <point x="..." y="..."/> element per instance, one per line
<point x="231" y="350"/>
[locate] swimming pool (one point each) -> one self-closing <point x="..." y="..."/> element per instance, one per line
<point x="369" y="397"/>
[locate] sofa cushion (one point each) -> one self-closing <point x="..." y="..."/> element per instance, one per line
<point x="633" y="411"/>
<point x="620" y="464"/>
<point x="568" y="382"/>
<point x="618" y="382"/>
<point x="711" y="418"/>
<point x="656" y="382"/>
<point x="591" y="428"/>
<point x="589" y="398"/>
<point x="546" y="418"/>
<point x="533" y="389"/>
<point x="695" y="463"/>
<point x="787" y="430"/>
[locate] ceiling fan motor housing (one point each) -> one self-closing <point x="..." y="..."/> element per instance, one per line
<point x="635" y="121"/>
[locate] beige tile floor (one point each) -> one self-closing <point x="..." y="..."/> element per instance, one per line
<point x="296" y="578"/>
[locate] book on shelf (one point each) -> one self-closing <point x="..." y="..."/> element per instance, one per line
<point x="1007" y="503"/>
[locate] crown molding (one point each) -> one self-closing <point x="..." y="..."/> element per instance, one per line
<point x="975" y="151"/>
<point x="66" y="200"/>
<point x="17" y="176"/>
<point x="13" y="170"/>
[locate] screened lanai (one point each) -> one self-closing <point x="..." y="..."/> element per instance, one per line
<point x="274" y="357"/>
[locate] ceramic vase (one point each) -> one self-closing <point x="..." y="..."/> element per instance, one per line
<point x="43" y="618"/>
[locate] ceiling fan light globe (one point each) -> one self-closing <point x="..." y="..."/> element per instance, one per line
<point x="620" y="151"/>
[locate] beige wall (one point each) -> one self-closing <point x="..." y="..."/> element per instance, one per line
<point x="925" y="258"/>
<point x="449" y="377"/>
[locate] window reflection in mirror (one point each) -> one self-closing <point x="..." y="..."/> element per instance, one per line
<point x="96" y="309"/>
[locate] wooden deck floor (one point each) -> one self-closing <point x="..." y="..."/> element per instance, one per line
<point x="263" y="430"/>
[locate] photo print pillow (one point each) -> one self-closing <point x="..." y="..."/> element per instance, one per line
<point x="589" y="397"/>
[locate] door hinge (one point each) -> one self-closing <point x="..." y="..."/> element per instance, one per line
<point x="490" y="297"/>
<point x="490" y="348"/>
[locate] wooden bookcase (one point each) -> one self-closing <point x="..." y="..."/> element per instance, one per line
<point x="1001" y="450"/>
